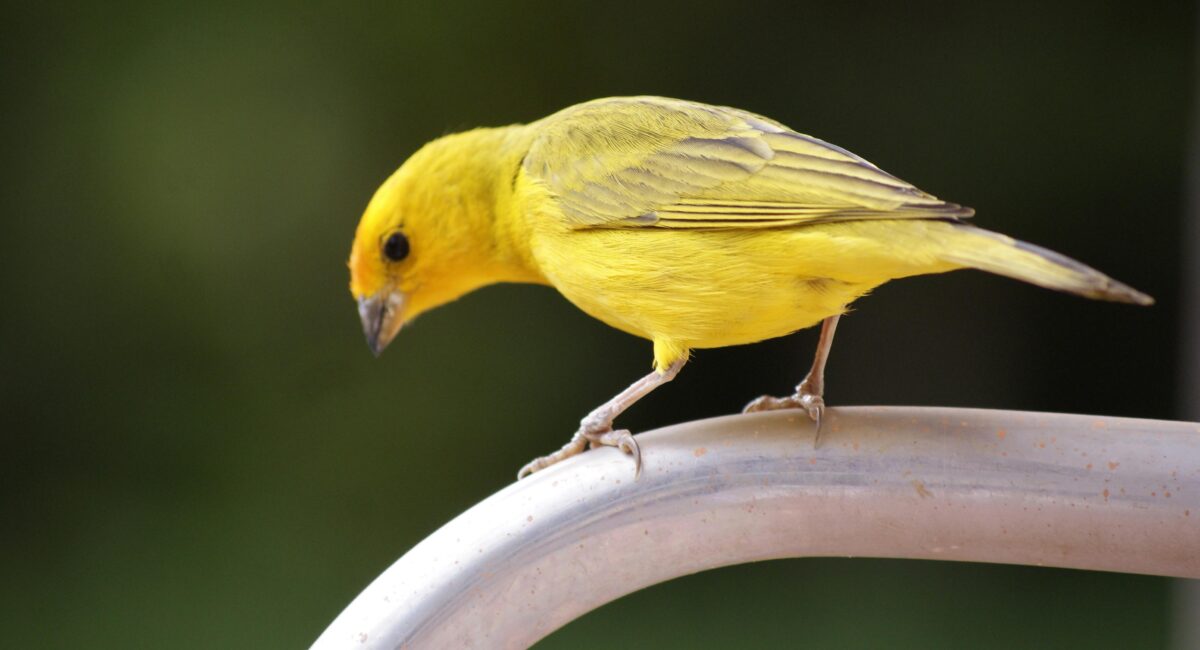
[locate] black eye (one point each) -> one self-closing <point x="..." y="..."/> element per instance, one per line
<point x="396" y="247"/>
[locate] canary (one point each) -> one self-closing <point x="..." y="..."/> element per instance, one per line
<point x="693" y="226"/>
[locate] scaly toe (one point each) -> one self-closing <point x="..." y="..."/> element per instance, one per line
<point x="769" y="403"/>
<point x="573" y="447"/>
<point x="538" y="464"/>
<point x="530" y="467"/>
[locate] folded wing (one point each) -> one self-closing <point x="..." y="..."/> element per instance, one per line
<point x="654" y="162"/>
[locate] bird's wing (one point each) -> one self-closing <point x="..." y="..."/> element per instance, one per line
<point x="654" y="162"/>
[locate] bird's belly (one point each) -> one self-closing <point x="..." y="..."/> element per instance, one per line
<point x="697" y="318"/>
<point x="730" y="291"/>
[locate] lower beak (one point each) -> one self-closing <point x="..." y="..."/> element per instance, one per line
<point x="382" y="315"/>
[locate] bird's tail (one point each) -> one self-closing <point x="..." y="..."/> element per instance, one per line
<point x="995" y="253"/>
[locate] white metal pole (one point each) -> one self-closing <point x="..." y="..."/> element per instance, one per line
<point x="1088" y="492"/>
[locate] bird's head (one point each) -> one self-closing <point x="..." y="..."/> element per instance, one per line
<point x="426" y="237"/>
<point x="381" y="268"/>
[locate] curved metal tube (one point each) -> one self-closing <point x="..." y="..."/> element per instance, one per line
<point x="1087" y="492"/>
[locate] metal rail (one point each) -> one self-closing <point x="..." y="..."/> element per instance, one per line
<point x="1080" y="491"/>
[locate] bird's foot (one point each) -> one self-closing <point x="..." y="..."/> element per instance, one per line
<point x="589" y="435"/>
<point x="804" y="398"/>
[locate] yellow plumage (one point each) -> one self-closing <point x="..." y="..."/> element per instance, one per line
<point x="691" y="225"/>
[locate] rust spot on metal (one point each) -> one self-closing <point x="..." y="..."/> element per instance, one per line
<point x="1000" y="433"/>
<point x="921" y="491"/>
<point x="700" y="451"/>
<point x="1112" y="465"/>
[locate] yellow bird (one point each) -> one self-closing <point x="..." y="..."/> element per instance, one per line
<point x="691" y="225"/>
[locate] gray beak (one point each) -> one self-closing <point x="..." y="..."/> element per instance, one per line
<point x="382" y="315"/>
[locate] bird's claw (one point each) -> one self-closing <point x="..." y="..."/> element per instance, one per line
<point x="811" y="403"/>
<point x="621" y="439"/>
<point x="589" y="437"/>
<point x="814" y="405"/>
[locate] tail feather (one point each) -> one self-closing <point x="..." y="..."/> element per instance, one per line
<point x="1003" y="255"/>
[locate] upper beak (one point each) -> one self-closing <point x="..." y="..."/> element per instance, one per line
<point x="382" y="315"/>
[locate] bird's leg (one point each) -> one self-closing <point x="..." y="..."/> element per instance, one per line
<point x="810" y="393"/>
<point x="596" y="428"/>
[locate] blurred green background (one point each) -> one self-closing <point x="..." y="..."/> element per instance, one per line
<point x="198" y="450"/>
